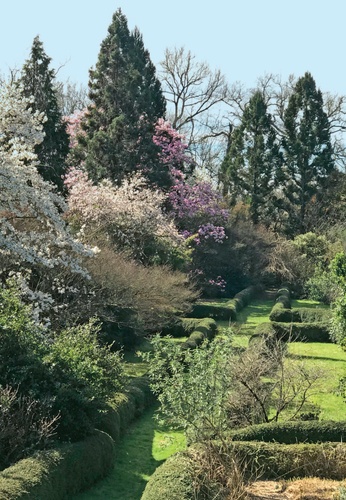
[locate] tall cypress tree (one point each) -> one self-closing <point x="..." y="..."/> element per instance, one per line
<point x="252" y="158"/>
<point x="38" y="83"/>
<point x="308" y="152"/>
<point x="126" y="102"/>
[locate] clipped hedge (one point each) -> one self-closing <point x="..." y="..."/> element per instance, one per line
<point x="293" y="432"/>
<point x="71" y="468"/>
<point x="299" y="315"/>
<point x="294" y="332"/>
<point x="227" y="311"/>
<point x="205" y="328"/>
<point x="183" y="327"/>
<point x="56" y="474"/>
<point x="174" y="480"/>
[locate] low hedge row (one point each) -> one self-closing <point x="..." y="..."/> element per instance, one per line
<point x="71" y="468"/>
<point x="174" y="480"/>
<point x="299" y="315"/>
<point x="229" y="310"/>
<point x="293" y="432"/>
<point x="295" y="332"/>
<point x="183" y="327"/>
<point x="205" y="328"/>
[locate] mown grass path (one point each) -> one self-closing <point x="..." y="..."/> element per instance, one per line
<point x="142" y="449"/>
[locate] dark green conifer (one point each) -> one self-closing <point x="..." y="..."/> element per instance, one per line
<point x="38" y="83"/>
<point x="126" y="101"/>
<point x="308" y="152"/>
<point x="253" y="155"/>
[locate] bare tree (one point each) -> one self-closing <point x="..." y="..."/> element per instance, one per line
<point x="72" y="97"/>
<point x="196" y="97"/>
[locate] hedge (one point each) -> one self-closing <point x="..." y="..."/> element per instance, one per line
<point x="295" y="332"/>
<point x="228" y="311"/>
<point x="174" y="480"/>
<point x="299" y="315"/>
<point x="71" y="468"/>
<point x="293" y="432"/>
<point x="171" y="481"/>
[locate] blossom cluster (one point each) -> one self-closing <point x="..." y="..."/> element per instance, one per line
<point x="219" y="283"/>
<point x="209" y="231"/>
<point x="131" y="214"/>
<point x="171" y="144"/>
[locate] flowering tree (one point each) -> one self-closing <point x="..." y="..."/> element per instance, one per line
<point x="130" y="216"/>
<point x="173" y="150"/>
<point x="201" y="217"/>
<point x="32" y="230"/>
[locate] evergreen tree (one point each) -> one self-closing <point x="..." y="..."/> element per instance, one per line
<point x="253" y="156"/>
<point x="38" y="84"/>
<point x="126" y="102"/>
<point x="308" y="153"/>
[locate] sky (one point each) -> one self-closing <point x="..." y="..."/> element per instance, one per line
<point x="245" y="39"/>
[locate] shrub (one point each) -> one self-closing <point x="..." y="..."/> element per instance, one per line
<point x="25" y="426"/>
<point x="302" y="332"/>
<point x="294" y="332"/>
<point x="59" y="473"/>
<point x="299" y="315"/>
<point x="293" y="432"/>
<point x="183" y="327"/>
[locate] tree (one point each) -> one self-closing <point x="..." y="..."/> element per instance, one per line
<point x="126" y="102"/>
<point x="253" y="157"/>
<point x="307" y="150"/>
<point x="38" y="82"/>
<point x="194" y="92"/>
<point x="33" y="234"/>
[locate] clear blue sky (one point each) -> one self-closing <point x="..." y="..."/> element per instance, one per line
<point x="244" y="39"/>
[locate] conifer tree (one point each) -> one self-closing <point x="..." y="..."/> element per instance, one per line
<point x="247" y="172"/>
<point x="307" y="150"/>
<point x="38" y="82"/>
<point x="126" y="102"/>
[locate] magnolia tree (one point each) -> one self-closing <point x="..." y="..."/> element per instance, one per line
<point x="130" y="216"/>
<point x="33" y="234"/>
<point x="201" y="217"/>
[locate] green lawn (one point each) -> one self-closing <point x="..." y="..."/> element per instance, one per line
<point x="143" y="448"/>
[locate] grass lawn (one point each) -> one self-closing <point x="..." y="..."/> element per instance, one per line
<point x="332" y="360"/>
<point x="247" y="320"/>
<point x="143" y="448"/>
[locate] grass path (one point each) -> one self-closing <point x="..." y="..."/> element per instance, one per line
<point x="142" y="449"/>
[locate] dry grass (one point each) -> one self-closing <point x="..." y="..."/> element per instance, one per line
<point x="299" y="489"/>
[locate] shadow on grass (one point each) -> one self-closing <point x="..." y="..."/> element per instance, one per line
<point x="320" y="358"/>
<point x="134" y="464"/>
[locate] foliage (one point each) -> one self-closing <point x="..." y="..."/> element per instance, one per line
<point x="34" y="239"/>
<point x="25" y="426"/>
<point x="130" y="216"/>
<point x="293" y="432"/>
<point x="252" y="159"/>
<point x="125" y="103"/>
<point x="144" y="298"/>
<point x="339" y="312"/>
<point x="38" y="85"/>
<point x="192" y="386"/>
<point x="307" y="150"/>
<point x="71" y="375"/>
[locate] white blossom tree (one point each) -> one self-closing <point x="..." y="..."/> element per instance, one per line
<point x="33" y="233"/>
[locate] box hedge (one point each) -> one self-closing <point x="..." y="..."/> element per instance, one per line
<point x="293" y="432"/>
<point x="294" y="332"/>
<point x="70" y="468"/>
<point x="299" y="315"/>
<point x="228" y="310"/>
